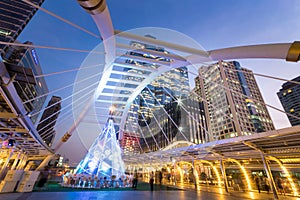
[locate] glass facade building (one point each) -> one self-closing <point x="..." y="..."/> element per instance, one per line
<point x="232" y="101"/>
<point x="15" y="15"/>
<point x="46" y="125"/>
<point x="27" y="57"/>
<point x="289" y="96"/>
<point x="163" y="112"/>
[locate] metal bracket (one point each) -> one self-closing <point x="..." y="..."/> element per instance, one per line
<point x="294" y="52"/>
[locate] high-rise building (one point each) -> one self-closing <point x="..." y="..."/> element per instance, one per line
<point x="178" y="123"/>
<point x="15" y="15"/>
<point x="46" y="125"/>
<point x="289" y="96"/>
<point x="232" y="101"/>
<point x="33" y="95"/>
<point x="194" y="118"/>
<point x="163" y="112"/>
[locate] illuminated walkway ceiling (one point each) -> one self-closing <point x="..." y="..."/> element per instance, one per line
<point x="283" y="144"/>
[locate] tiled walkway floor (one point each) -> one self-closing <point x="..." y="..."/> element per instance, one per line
<point x="185" y="192"/>
<point x="134" y="195"/>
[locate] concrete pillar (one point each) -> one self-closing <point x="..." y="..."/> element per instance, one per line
<point x="175" y="164"/>
<point x="16" y="161"/>
<point x="45" y="162"/>
<point x="23" y="162"/>
<point x="270" y="177"/>
<point x="194" y="173"/>
<point x="222" y="166"/>
<point x="21" y="158"/>
<point x="28" y="166"/>
<point x="143" y="169"/>
<point x="4" y="166"/>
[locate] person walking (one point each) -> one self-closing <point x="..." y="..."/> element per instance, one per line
<point x="267" y="184"/>
<point x="160" y="177"/>
<point x="280" y="185"/>
<point x="257" y="182"/>
<point x="135" y="180"/>
<point x="43" y="178"/>
<point x="151" y="181"/>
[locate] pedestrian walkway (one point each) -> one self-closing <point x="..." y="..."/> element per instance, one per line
<point x="232" y="193"/>
<point x="137" y="195"/>
<point x="183" y="191"/>
<point x="120" y="195"/>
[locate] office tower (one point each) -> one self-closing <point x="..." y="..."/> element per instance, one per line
<point x="15" y="15"/>
<point x="232" y="101"/>
<point x="32" y="94"/>
<point x="194" y="118"/>
<point x="178" y="123"/>
<point x="157" y="113"/>
<point x="46" y="125"/>
<point x="289" y="96"/>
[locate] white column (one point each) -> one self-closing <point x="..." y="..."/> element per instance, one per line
<point x="16" y="161"/>
<point x="4" y="166"/>
<point x="222" y="166"/>
<point x="22" y="162"/>
<point x="270" y="177"/>
<point x="45" y="162"/>
<point x="194" y="174"/>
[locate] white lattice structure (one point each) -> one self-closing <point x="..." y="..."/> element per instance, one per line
<point x="104" y="157"/>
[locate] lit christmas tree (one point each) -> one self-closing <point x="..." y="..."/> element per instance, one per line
<point x="104" y="157"/>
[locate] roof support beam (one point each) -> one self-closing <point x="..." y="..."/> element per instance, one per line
<point x="7" y="115"/>
<point x="270" y="176"/>
<point x="161" y="43"/>
<point x="253" y="146"/>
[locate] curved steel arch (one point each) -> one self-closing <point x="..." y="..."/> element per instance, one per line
<point x="100" y="13"/>
<point x="289" y="51"/>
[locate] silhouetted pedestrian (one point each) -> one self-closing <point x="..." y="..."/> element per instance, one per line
<point x="43" y="178"/>
<point x="257" y="182"/>
<point x="280" y="185"/>
<point x="151" y="181"/>
<point x="267" y="184"/>
<point x="135" y="180"/>
<point x="160" y="177"/>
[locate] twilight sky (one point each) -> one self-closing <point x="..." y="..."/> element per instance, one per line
<point x="212" y="23"/>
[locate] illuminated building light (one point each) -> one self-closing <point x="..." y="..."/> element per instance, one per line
<point x="180" y="173"/>
<point x="214" y="169"/>
<point x="179" y="101"/>
<point x="287" y="174"/>
<point x="196" y="175"/>
<point x="252" y="196"/>
<point x="6" y="33"/>
<point x="244" y="172"/>
<point x="194" y="170"/>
